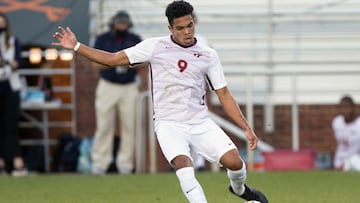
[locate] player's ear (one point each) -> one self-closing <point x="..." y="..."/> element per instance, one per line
<point x="170" y="28"/>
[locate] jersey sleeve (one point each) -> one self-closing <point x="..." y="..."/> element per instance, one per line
<point x="215" y="75"/>
<point x="141" y="52"/>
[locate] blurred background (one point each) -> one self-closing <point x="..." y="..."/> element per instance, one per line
<point x="288" y="64"/>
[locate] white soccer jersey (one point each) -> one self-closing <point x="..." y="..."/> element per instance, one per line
<point x="348" y="139"/>
<point x="178" y="77"/>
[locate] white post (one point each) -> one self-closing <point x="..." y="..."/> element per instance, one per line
<point x="295" y="115"/>
<point x="269" y="107"/>
<point x="140" y="135"/>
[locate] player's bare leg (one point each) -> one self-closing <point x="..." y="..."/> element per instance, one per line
<point x="236" y="171"/>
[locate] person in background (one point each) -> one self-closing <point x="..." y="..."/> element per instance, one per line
<point x="180" y="69"/>
<point x="346" y="127"/>
<point x="10" y="61"/>
<point x="116" y="94"/>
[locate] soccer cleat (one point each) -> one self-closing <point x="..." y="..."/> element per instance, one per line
<point x="251" y="194"/>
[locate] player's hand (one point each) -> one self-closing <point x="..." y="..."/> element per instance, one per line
<point x="65" y="37"/>
<point x="252" y="139"/>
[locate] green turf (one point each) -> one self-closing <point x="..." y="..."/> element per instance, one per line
<point x="281" y="187"/>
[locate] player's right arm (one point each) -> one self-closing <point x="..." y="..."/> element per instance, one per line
<point x="233" y="110"/>
<point x="67" y="39"/>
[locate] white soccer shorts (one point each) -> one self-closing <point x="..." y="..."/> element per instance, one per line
<point x="206" y="138"/>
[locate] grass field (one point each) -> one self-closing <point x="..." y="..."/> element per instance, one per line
<point x="281" y="187"/>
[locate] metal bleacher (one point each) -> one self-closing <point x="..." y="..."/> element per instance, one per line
<point x="318" y="36"/>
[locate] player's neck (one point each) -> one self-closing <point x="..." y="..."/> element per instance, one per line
<point x="194" y="42"/>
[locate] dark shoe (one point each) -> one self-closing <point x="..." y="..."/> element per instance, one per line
<point x="251" y="194"/>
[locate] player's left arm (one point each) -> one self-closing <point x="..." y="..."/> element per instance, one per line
<point x="233" y="110"/>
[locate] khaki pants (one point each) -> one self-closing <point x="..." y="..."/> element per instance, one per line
<point x="114" y="100"/>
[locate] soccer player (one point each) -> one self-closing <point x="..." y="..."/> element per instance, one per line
<point x="346" y="128"/>
<point x="180" y="68"/>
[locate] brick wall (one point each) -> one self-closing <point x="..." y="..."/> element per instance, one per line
<point x="314" y="126"/>
<point x="86" y="80"/>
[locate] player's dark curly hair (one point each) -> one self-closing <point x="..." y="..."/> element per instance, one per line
<point x="347" y="99"/>
<point x="177" y="9"/>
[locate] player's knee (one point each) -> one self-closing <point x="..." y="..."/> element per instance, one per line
<point x="232" y="160"/>
<point x="181" y="161"/>
<point x="235" y="164"/>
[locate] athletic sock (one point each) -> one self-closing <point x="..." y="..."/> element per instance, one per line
<point x="237" y="179"/>
<point x="190" y="186"/>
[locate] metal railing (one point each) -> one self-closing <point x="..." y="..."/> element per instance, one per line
<point x="44" y="124"/>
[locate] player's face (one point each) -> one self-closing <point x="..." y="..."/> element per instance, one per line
<point x="183" y="30"/>
<point x="346" y="109"/>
